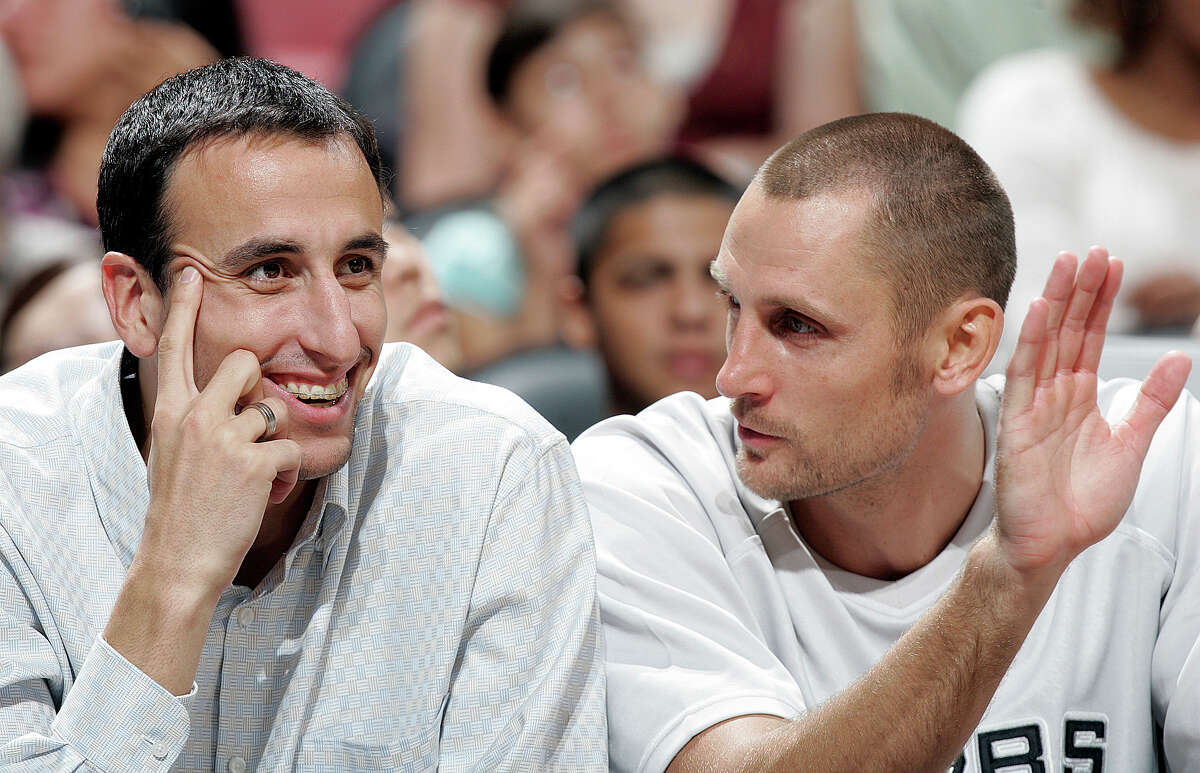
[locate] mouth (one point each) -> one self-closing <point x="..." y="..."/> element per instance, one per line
<point x="754" y="438"/>
<point x="314" y="394"/>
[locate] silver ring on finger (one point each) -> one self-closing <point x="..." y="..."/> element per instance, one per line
<point x="268" y="416"/>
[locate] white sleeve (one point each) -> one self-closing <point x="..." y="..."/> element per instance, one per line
<point x="112" y="717"/>
<point x="1175" y="670"/>
<point x="683" y="651"/>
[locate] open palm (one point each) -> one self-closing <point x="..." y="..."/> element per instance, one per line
<point x="1064" y="476"/>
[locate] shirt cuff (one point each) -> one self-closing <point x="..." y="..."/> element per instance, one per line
<point x="118" y="718"/>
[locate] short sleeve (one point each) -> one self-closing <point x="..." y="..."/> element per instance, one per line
<point x="683" y="650"/>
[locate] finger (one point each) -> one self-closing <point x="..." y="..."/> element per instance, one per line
<point x="1158" y="394"/>
<point x="285" y="456"/>
<point x="237" y="376"/>
<point x="1097" y="324"/>
<point x="251" y="425"/>
<point x="1088" y="281"/>
<point x="176" y="380"/>
<point x="1020" y="378"/>
<point x="1057" y="292"/>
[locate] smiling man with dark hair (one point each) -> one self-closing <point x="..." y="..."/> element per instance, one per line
<point x="254" y="537"/>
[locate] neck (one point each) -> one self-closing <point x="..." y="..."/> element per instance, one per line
<point x="280" y="525"/>
<point x="1159" y="91"/>
<point x="897" y="522"/>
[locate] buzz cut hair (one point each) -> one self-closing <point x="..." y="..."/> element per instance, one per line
<point x="939" y="228"/>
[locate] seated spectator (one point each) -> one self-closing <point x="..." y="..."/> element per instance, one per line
<point x="60" y="305"/>
<point x="642" y="293"/>
<point x="255" y="537"/>
<point x="569" y="81"/>
<point x="416" y="311"/>
<point x="1106" y="153"/>
<point x="756" y="72"/>
<point x="81" y="62"/>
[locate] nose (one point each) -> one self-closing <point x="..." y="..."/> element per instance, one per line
<point x="329" y="334"/>
<point x="746" y="372"/>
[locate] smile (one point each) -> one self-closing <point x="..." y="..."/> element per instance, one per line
<point x="316" y="394"/>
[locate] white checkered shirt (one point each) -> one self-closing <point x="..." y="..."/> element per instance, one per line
<point x="436" y="611"/>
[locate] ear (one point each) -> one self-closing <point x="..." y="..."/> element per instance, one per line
<point x="134" y="302"/>
<point x="964" y="339"/>
<point x="577" y="325"/>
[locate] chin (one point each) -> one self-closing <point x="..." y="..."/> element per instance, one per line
<point x="319" y="458"/>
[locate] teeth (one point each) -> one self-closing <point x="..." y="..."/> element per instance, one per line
<point x="317" y="392"/>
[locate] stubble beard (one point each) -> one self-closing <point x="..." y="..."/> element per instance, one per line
<point x="803" y="469"/>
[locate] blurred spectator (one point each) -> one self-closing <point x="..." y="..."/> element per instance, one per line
<point x="919" y="56"/>
<point x="215" y="20"/>
<point x="452" y="142"/>
<point x="757" y="72"/>
<point x="59" y="305"/>
<point x="12" y="118"/>
<point x="569" y="81"/>
<point x="416" y="312"/>
<point x="81" y="63"/>
<point x="312" y="36"/>
<point x="1104" y="154"/>
<point x="643" y="294"/>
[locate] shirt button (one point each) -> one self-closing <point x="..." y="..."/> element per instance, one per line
<point x="237" y="765"/>
<point x="245" y="616"/>
<point x="159" y="750"/>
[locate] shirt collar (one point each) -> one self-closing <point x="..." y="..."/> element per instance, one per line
<point x="116" y="471"/>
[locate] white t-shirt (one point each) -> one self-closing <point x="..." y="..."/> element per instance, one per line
<point x="1078" y="173"/>
<point x="714" y="607"/>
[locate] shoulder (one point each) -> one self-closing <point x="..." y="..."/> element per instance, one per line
<point x="1026" y="79"/>
<point x="1042" y="91"/>
<point x="683" y="431"/>
<point x="420" y="400"/>
<point x="36" y="398"/>
<point x="670" y="467"/>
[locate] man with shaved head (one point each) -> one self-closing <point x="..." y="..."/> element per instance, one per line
<point x="831" y="566"/>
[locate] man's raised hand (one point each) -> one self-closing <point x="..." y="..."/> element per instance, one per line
<point x="1064" y="476"/>
<point x="210" y="479"/>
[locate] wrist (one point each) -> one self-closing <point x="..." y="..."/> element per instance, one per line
<point x="159" y="625"/>
<point x="1023" y="586"/>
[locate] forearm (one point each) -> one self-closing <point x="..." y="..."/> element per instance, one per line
<point x="159" y="624"/>
<point x="929" y="692"/>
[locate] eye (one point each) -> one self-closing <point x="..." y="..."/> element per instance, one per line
<point x="358" y="265"/>
<point x="359" y="268"/>
<point x="793" y="325"/>
<point x="730" y="300"/>
<point x="266" y="272"/>
<point x="645" y="275"/>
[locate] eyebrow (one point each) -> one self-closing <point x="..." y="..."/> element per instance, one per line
<point x="255" y="249"/>
<point x="778" y="301"/>
<point x="717" y="272"/>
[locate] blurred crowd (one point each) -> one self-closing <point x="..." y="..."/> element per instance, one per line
<point x="562" y="170"/>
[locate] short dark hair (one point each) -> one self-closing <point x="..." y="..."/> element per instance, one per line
<point x="640" y="183"/>
<point x="940" y="225"/>
<point x="527" y="28"/>
<point x="1134" y="22"/>
<point x="229" y="98"/>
